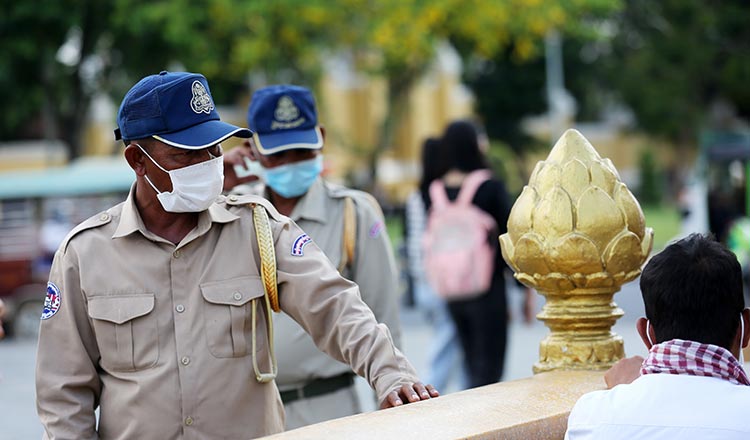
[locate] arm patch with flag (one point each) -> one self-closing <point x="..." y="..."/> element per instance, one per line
<point x="51" y="301"/>
<point x="299" y="245"/>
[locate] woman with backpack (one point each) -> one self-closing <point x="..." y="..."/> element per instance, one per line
<point x="468" y="209"/>
<point x="445" y="353"/>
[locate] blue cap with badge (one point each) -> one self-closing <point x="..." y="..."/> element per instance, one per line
<point x="175" y="108"/>
<point x="283" y="117"/>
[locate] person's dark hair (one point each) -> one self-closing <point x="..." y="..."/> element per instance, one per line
<point x="461" y="147"/>
<point x="692" y="290"/>
<point x="433" y="166"/>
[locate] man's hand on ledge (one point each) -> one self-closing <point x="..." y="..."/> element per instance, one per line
<point x="409" y="393"/>
<point x="623" y="372"/>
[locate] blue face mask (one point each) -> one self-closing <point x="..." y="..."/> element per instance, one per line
<point x="294" y="179"/>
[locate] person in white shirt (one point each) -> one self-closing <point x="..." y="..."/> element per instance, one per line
<point x="691" y="385"/>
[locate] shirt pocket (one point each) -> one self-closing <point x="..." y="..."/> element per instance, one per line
<point x="126" y="331"/>
<point x="227" y="312"/>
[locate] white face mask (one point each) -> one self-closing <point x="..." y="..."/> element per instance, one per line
<point x="742" y="336"/>
<point x="194" y="187"/>
<point x="648" y="334"/>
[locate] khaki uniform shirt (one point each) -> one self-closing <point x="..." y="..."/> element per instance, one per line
<point x="320" y="213"/>
<point x="159" y="335"/>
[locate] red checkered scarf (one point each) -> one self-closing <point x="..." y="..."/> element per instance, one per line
<point x="687" y="357"/>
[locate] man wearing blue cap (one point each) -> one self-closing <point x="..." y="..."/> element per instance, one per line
<point x="349" y="227"/>
<point x="158" y="309"/>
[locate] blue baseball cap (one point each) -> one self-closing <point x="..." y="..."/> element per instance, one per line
<point x="283" y="117"/>
<point x="175" y="108"/>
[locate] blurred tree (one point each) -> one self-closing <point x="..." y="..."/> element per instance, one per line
<point x="398" y="38"/>
<point x="59" y="54"/>
<point x="48" y="70"/>
<point x="649" y="188"/>
<point x="508" y="87"/>
<point x="228" y="40"/>
<point x="673" y="59"/>
<point x="110" y="42"/>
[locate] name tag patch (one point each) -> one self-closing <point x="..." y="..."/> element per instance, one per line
<point x="51" y="301"/>
<point x="298" y="246"/>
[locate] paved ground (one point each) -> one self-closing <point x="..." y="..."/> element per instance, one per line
<point x="18" y="419"/>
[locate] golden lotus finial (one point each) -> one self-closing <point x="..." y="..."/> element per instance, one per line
<point x="576" y="234"/>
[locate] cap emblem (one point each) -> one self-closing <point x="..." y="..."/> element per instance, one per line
<point x="286" y="115"/>
<point x="201" y="102"/>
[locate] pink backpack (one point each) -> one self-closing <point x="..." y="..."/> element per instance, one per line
<point x="458" y="257"/>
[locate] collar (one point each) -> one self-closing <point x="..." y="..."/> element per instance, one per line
<point x="313" y="205"/>
<point x="131" y="220"/>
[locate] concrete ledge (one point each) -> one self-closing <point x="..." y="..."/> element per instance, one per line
<point x="533" y="408"/>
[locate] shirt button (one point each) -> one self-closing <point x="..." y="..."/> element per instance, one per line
<point x="188" y="421"/>
<point x="180" y="308"/>
<point x="176" y="254"/>
<point x="237" y="296"/>
<point x="185" y="360"/>
<point x="104" y="217"/>
<point x="233" y="198"/>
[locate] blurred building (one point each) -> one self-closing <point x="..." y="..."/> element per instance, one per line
<point x="353" y="106"/>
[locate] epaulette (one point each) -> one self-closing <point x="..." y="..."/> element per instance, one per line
<point x="339" y="192"/>
<point x="92" y="222"/>
<point x="247" y="199"/>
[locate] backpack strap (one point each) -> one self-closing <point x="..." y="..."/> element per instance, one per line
<point x="349" y="238"/>
<point x="438" y="196"/>
<point x="268" y="275"/>
<point x="471" y="184"/>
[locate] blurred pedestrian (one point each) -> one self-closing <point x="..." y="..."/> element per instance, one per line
<point x="444" y="354"/>
<point x="482" y="320"/>
<point x="158" y="309"/>
<point x="52" y="232"/>
<point x="349" y="227"/>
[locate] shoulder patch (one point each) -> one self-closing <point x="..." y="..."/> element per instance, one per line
<point x="361" y="198"/>
<point x="376" y="228"/>
<point x="298" y="247"/>
<point x="94" y="221"/>
<point x="52" y="301"/>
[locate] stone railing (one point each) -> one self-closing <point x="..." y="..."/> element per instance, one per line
<point x="532" y="408"/>
<point x="576" y="234"/>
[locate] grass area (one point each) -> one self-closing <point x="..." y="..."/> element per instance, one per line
<point x="665" y="221"/>
<point x="395" y="227"/>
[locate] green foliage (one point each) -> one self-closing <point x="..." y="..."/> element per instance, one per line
<point x="507" y="90"/>
<point x="30" y="77"/>
<point x="505" y="163"/>
<point x="508" y="87"/>
<point x="665" y="221"/>
<point x="671" y="59"/>
<point x="649" y="192"/>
